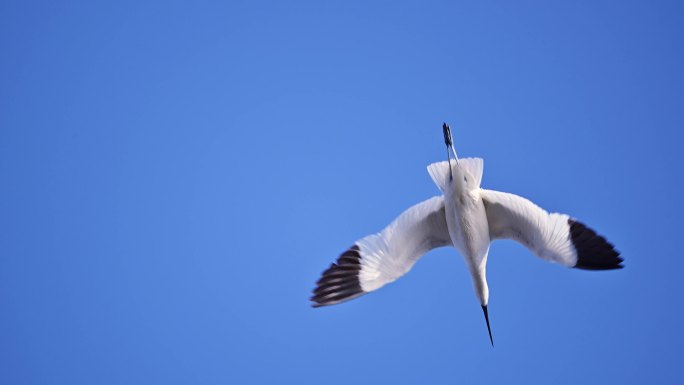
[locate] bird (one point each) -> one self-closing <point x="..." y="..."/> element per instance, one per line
<point x="468" y="218"/>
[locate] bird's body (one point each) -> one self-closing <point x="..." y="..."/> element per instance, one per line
<point x="468" y="218"/>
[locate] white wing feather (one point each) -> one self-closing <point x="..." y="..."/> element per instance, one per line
<point x="514" y="217"/>
<point x="391" y="253"/>
<point x="381" y="258"/>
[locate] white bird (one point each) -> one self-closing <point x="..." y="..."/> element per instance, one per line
<point x="468" y="218"/>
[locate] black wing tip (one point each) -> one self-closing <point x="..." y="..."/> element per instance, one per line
<point x="340" y="282"/>
<point x="593" y="251"/>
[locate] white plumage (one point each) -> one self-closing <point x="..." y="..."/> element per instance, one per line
<point x="468" y="218"/>
<point x="391" y="253"/>
<point x="513" y="217"/>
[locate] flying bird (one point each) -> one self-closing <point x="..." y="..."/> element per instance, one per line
<point x="468" y="218"/>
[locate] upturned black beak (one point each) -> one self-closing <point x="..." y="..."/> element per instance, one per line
<point x="484" y="309"/>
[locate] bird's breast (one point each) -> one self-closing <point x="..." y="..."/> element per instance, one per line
<point x="467" y="224"/>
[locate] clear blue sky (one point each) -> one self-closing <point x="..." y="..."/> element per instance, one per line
<point x="174" y="176"/>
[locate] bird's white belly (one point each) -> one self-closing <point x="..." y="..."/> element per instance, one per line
<point x="468" y="227"/>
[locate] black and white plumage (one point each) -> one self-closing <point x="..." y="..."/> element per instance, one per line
<point x="553" y="237"/>
<point x="381" y="258"/>
<point x="468" y="218"/>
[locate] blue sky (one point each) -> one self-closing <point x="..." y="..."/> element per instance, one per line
<point x="174" y="176"/>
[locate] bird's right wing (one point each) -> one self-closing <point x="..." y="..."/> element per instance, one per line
<point x="553" y="237"/>
<point x="381" y="258"/>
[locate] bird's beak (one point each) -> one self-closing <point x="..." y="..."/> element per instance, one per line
<point x="484" y="309"/>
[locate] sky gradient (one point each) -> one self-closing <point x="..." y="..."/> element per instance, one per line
<point x="174" y="177"/>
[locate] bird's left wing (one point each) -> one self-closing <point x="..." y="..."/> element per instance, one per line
<point x="553" y="237"/>
<point x="381" y="258"/>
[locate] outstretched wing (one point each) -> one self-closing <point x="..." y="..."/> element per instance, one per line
<point x="381" y="258"/>
<point x="554" y="237"/>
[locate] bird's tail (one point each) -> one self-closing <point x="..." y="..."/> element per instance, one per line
<point x="439" y="171"/>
